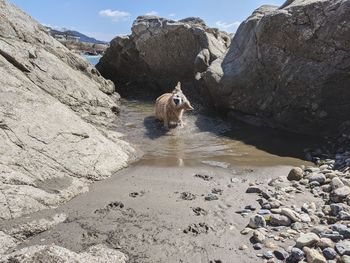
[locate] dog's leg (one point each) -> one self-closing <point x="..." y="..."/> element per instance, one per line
<point x="180" y="122"/>
<point x="166" y="123"/>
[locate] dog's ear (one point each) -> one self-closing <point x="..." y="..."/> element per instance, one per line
<point x="178" y="86"/>
<point x="188" y="106"/>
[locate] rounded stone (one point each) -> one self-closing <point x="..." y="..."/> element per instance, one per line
<point x="257" y="221"/>
<point x="307" y="240"/>
<point x="329" y="253"/>
<point x="295" y="174"/>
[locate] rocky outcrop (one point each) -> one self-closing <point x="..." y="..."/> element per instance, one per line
<point x="289" y="65"/>
<point x="53" y="253"/>
<point x="161" y="52"/>
<point x="54" y="119"/>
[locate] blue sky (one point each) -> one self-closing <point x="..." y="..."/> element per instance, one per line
<point x="105" y="19"/>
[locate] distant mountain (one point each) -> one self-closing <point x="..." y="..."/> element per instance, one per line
<point x="83" y="38"/>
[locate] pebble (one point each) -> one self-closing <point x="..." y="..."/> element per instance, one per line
<point x="333" y="235"/>
<point x="258" y="237"/>
<point x="294" y="216"/>
<point x="268" y="254"/>
<point x="340" y="193"/>
<point x="246" y="231"/>
<point x="345" y="216"/>
<point x="336" y="183"/>
<point x="324" y="243"/>
<point x="313" y="256"/>
<point x="343" y="247"/>
<point x="295" y="256"/>
<point x="242" y="247"/>
<point x="295" y="174"/>
<point x="280" y="254"/>
<point x="317" y="177"/>
<point x="264" y="212"/>
<point x="341" y="229"/>
<point x="253" y="190"/>
<point x="305" y="218"/>
<point x="257" y="246"/>
<point x="257" y="221"/>
<point x="250" y="207"/>
<point x="336" y="208"/>
<point x="329" y="253"/>
<point x="307" y="240"/>
<point x="280" y="220"/>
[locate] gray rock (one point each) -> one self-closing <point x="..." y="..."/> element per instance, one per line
<point x="329" y="253"/>
<point x="31" y="228"/>
<point x="280" y="254"/>
<point x="265" y="71"/>
<point x="159" y="53"/>
<point x="55" y="121"/>
<point x="324" y="243"/>
<point x="345" y="216"/>
<point x="341" y="229"/>
<point x="6" y="242"/>
<point x="257" y="221"/>
<point x="317" y="177"/>
<point x="264" y="212"/>
<point x="253" y="190"/>
<point x="295" y="256"/>
<point x="307" y="240"/>
<point x="296" y="174"/>
<point x="313" y="256"/>
<point x="53" y="253"/>
<point x="294" y="216"/>
<point x="258" y="237"/>
<point x="343" y="247"/>
<point x="336" y="208"/>
<point x="257" y="246"/>
<point x="268" y="254"/>
<point x="333" y="235"/>
<point x="339" y="194"/>
<point x="336" y="183"/>
<point x="280" y="220"/>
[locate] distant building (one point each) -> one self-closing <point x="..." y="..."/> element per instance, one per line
<point x="72" y="38"/>
<point x="60" y="37"/>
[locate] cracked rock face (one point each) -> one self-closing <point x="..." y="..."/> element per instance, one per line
<point x="97" y="253"/>
<point x="161" y="52"/>
<point x="290" y="65"/>
<point x="54" y="116"/>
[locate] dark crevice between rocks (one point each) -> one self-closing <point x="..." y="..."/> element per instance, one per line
<point x="14" y="62"/>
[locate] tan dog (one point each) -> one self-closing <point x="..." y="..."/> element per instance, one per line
<point x="171" y="106"/>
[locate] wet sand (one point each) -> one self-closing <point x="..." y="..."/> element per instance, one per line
<point x="141" y="210"/>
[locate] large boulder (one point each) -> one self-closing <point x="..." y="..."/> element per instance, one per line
<point x="54" y="120"/>
<point x="288" y="66"/>
<point x="161" y="52"/>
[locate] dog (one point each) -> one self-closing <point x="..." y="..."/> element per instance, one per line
<point x="171" y="106"/>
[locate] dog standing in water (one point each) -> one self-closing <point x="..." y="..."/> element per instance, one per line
<point x="171" y="106"/>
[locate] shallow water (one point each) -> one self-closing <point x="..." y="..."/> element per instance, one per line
<point x="208" y="140"/>
<point x="92" y="59"/>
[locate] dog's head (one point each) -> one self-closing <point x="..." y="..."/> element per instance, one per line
<point x="179" y="100"/>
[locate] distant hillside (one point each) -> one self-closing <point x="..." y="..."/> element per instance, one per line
<point x="83" y="38"/>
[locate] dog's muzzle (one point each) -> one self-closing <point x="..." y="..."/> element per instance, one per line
<point x="176" y="101"/>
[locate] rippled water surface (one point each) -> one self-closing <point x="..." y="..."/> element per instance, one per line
<point x="208" y="140"/>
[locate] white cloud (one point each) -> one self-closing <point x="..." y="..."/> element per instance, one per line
<point x="152" y="13"/>
<point x="172" y="15"/>
<point x="229" y="27"/>
<point x="115" y="15"/>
